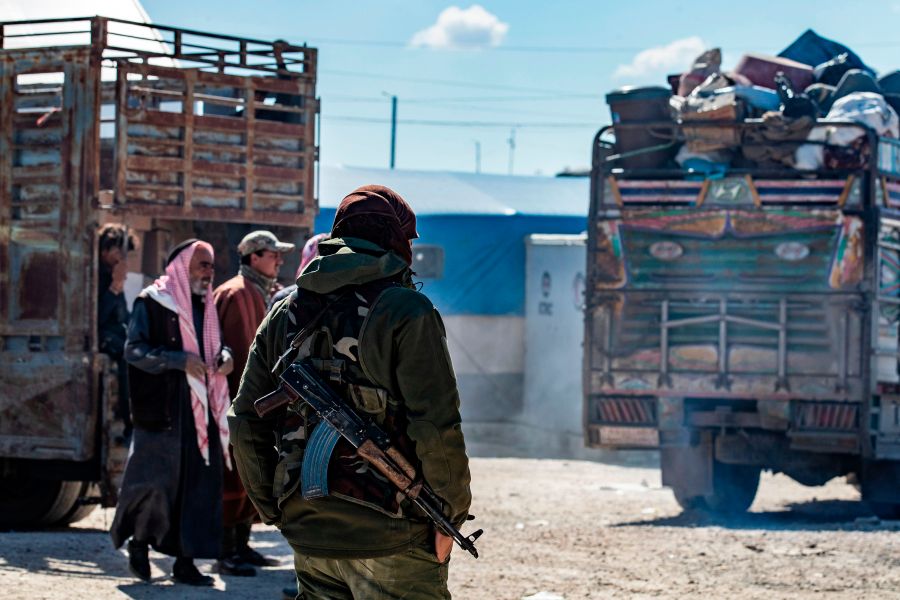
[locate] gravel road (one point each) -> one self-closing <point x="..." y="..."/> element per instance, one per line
<point x="555" y="530"/>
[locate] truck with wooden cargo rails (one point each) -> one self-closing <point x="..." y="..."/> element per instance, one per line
<point x="174" y="132"/>
<point x="746" y="319"/>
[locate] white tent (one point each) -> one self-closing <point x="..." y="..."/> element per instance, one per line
<point x="17" y="10"/>
<point x="77" y="32"/>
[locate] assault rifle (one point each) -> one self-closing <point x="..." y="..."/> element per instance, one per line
<point x="301" y="383"/>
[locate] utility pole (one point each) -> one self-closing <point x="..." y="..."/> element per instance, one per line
<point x="512" y="148"/>
<point x="477" y="156"/>
<point x="393" y="129"/>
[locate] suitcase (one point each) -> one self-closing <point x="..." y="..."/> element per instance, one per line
<point x="761" y="70"/>
<point x="721" y="107"/>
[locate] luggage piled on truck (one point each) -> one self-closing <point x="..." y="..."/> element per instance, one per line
<point x="770" y="112"/>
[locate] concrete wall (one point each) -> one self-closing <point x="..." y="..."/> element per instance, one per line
<point x="520" y="378"/>
<point x="488" y="356"/>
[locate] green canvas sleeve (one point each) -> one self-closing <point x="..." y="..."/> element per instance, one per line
<point x="404" y="349"/>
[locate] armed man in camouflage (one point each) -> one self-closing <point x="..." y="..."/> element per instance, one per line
<point x="382" y="347"/>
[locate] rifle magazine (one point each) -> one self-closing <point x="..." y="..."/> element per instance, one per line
<point x="314" y="472"/>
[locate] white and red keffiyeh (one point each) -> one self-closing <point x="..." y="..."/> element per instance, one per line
<point x="173" y="290"/>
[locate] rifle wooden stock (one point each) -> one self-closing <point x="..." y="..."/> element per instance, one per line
<point x="301" y="381"/>
<point x="392" y="465"/>
<point x="272" y="402"/>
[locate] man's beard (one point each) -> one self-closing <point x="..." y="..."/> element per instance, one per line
<point x="198" y="287"/>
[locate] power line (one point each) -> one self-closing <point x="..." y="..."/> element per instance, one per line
<point x="548" y="97"/>
<point x="451" y="106"/>
<point x="449" y="82"/>
<point x="448" y="99"/>
<point x="407" y="46"/>
<point x="553" y="49"/>
<point x="483" y="124"/>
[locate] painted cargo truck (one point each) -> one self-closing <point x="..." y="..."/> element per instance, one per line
<point x="173" y="132"/>
<point x="746" y="321"/>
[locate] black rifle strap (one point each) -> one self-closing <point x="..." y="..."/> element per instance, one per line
<point x="305" y="332"/>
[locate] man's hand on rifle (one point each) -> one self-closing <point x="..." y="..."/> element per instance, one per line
<point x="442" y="546"/>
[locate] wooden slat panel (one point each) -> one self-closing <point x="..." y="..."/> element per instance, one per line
<point x="275" y="198"/>
<point x="220" y="168"/>
<point x="188" y="156"/>
<point x="155" y="163"/>
<point x="202" y="213"/>
<point x="205" y="179"/>
<point x="153" y="117"/>
<point x="273" y="84"/>
<point x="218" y="123"/>
<point x="36" y="173"/>
<point x="283" y="173"/>
<point x="278" y="129"/>
<point x="155" y="70"/>
<point x="250" y="141"/>
<point x="217" y="192"/>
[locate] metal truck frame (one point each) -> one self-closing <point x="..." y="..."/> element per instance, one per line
<point x="168" y="130"/>
<point x="746" y="321"/>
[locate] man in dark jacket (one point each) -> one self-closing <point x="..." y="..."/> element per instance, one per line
<point x="382" y="347"/>
<point x="171" y="495"/>
<point x="115" y="242"/>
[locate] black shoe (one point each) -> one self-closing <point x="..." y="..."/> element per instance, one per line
<point x="234" y="566"/>
<point x="139" y="560"/>
<point x="185" y="572"/>
<point x="290" y="593"/>
<point x="251" y="557"/>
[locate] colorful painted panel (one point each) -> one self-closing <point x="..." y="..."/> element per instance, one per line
<point x="847" y="270"/>
<point x="609" y="269"/>
<point x="732" y="191"/>
<point x="892" y="193"/>
<point x="798" y="191"/>
<point x="758" y="250"/>
<point x="889" y="156"/>
<point x="651" y="192"/>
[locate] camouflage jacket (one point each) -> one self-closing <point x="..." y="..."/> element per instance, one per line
<point x="402" y="350"/>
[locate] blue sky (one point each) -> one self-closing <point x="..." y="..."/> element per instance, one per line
<point x="545" y="66"/>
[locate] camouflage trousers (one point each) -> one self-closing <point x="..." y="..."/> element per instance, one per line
<point x="412" y="575"/>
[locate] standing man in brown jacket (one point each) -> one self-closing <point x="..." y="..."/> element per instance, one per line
<point x="241" y="304"/>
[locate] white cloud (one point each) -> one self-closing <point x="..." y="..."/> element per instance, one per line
<point x="674" y="57"/>
<point x="473" y="27"/>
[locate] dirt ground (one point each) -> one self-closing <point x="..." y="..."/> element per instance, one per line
<point x="554" y="529"/>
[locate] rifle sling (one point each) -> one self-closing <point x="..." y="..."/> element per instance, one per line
<point x="305" y="332"/>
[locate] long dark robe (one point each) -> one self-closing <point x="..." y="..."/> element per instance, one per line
<point x="170" y="497"/>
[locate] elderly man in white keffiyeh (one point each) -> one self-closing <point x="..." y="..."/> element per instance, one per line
<point x="171" y="496"/>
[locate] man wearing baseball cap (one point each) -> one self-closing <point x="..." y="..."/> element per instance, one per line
<point x="241" y="304"/>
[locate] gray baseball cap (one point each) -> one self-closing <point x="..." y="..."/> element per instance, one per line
<point x="262" y="240"/>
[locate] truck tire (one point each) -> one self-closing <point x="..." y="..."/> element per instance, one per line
<point x="879" y="488"/>
<point x="28" y="502"/>
<point x="688" y="501"/>
<point x="84" y="503"/>
<point x="734" y="488"/>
